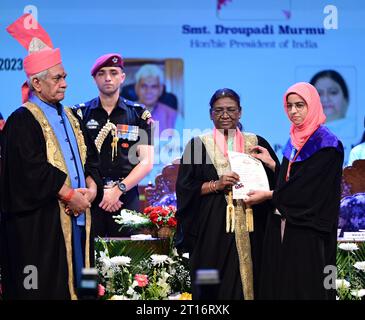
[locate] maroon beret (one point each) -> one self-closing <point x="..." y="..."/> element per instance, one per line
<point x="107" y="60"/>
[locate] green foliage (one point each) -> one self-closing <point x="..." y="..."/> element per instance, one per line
<point x="121" y="265"/>
<point x="136" y="250"/>
<point x="345" y="261"/>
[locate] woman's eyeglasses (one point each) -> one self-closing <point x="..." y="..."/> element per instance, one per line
<point x="219" y="112"/>
<point x="299" y="106"/>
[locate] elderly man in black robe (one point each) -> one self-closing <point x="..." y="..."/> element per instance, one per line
<point x="47" y="182"/>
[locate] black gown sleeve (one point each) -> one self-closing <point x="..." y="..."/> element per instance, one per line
<point x="311" y="197"/>
<point x="188" y="192"/>
<point x="28" y="180"/>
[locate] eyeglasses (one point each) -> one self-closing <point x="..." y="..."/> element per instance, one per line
<point x="299" y="106"/>
<point x="218" y="112"/>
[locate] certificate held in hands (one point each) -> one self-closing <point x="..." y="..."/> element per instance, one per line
<point x="252" y="177"/>
<point x="252" y="174"/>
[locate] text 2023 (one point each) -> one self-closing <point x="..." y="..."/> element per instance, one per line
<point x="11" y="64"/>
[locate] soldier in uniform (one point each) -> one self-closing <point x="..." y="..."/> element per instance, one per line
<point x="121" y="130"/>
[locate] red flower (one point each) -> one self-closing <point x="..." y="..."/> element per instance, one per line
<point x="161" y="216"/>
<point x="147" y="210"/>
<point x="172" y="208"/>
<point x="142" y="280"/>
<point x="172" y="222"/>
<point x="153" y="217"/>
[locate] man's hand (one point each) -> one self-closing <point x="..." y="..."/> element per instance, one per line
<point x="111" y="202"/>
<point x="78" y="203"/>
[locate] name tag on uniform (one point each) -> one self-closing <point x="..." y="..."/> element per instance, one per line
<point x="92" y="124"/>
<point x="127" y="132"/>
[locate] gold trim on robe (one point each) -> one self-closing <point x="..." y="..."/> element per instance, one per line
<point x="56" y="158"/>
<point x="242" y="237"/>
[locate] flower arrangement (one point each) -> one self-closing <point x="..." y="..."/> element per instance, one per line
<point x="161" y="216"/>
<point x="132" y="219"/>
<point x="350" y="284"/>
<point x="157" y="221"/>
<point x="144" y="277"/>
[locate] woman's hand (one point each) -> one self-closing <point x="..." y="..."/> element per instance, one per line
<point x="257" y="196"/>
<point x="262" y="154"/>
<point x="227" y="180"/>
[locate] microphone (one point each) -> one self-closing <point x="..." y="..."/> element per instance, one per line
<point x="208" y="284"/>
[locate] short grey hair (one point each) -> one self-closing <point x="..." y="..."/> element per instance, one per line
<point x="40" y="75"/>
<point x="149" y="70"/>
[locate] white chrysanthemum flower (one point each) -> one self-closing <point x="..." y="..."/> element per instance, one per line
<point x="120" y="261"/>
<point x="342" y="284"/>
<point x="105" y="262"/>
<point x="348" y="246"/>
<point x="360" y="265"/>
<point x="186" y="255"/>
<point x="358" y="293"/>
<point x="118" y="297"/>
<point x="129" y="217"/>
<point x="159" y="259"/>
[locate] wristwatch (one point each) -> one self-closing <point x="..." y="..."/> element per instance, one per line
<point x="122" y="187"/>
